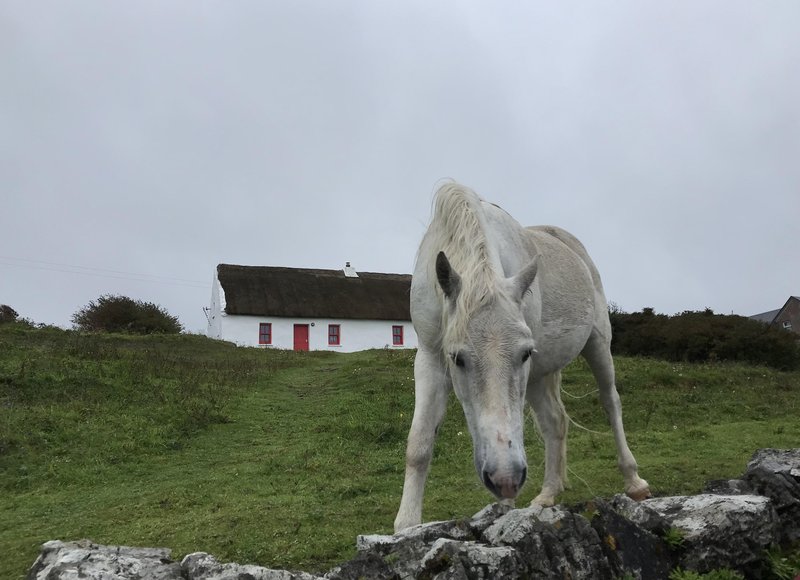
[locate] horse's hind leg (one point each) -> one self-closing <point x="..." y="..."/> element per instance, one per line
<point x="544" y="395"/>
<point x="430" y="394"/>
<point x="598" y="354"/>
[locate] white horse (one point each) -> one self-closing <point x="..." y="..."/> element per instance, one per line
<point x="499" y="310"/>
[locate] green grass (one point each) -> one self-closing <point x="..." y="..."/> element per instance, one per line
<point x="281" y="459"/>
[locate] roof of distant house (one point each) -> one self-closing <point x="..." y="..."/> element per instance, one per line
<point x="766" y="316"/>
<point x="769" y="317"/>
<point x="309" y="293"/>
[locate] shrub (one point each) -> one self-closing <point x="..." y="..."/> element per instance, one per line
<point x="702" y="336"/>
<point x="7" y="314"/>
<point x="122" y="314"/>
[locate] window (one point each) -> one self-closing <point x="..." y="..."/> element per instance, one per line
<point x="787" y="325"/>
<point x="397" y="335"/>
<point x="334" y="335"/>
<point x="265" y="333"/>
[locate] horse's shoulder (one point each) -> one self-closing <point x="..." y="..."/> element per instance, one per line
<point x="561" y="235"/>
<point x="563" y="248"/>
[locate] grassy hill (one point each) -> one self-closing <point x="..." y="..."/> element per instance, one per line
<point x="281" y="459"/>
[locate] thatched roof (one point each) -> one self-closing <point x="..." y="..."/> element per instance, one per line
<point x="306" y="293"/>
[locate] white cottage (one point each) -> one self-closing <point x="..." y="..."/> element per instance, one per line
<point x="305" y="309"/>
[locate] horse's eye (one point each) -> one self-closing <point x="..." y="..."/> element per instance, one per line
<point x="458" y="359"/>
<point x="527" y="355"/>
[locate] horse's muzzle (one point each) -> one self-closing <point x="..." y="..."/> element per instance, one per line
<point x="505" y="486"/>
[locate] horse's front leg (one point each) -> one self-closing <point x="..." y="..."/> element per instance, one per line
<point x="544" y="395"/>
<point x="430" y="394"/>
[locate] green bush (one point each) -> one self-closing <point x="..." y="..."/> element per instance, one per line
<point x="7" y="314"/>
<point x="702" y="336"/>
<point x="122" y="314"/>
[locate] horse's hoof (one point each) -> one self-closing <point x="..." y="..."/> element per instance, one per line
<point x="639" y="492"/>
<point x="544" y="500"/>
<point x="404" y="524"/>
<point x="641" y="495"/>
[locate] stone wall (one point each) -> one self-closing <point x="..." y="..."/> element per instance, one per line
<point x="731" y="525"/>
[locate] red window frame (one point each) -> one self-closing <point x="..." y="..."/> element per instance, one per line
<point x="334" y="334"/>
<point x="265" y="333"/>
<point x="397" y="335"/>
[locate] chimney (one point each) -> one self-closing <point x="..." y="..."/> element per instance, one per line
<point x="349" y="271"/>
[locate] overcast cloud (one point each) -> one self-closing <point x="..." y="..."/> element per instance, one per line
<point x="142" y="143"/>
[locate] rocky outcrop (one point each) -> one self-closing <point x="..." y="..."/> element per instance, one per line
<point x="719" y="531"/>
<point x="730" y="526"/>
<point x="85" y="559"/>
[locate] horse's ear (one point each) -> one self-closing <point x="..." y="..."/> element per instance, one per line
<point x="448" y="279"/>
<point x="521" y="283"/>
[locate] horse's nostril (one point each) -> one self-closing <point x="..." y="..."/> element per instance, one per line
<point x="487" y="481"/>
<point x="524" y="477"/>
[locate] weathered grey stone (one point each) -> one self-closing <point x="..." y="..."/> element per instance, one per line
<point x="202" y="566"/>
<point x="729" y="487"/>
<point x="720" y="531"/>
<point x="630" y="538"/>
<point x="455" y="560"/>
<point x="404" y="550"/>
<point x="512" y="527"/>
<point x="638" y="513"/>
<point x="85" y="559"/>
<point x="775" y="473"/>
<point x="377" y="542"/>
<point x="551" y="543"/>
<point x="777" y="461"/>
<point x="364" y="565"/>
<point x="423" y="533"/>
<point x="486" y="517"/>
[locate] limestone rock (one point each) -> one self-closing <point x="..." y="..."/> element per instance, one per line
<point x="85" y="559"/>
<point x="775" y="473"/>
<point x="202" y="566"/>
<point x="639" y="513"/>
<point x="455" y="560"/>
<point x="631" y="538"/>
<point x="720" y="531"/>
<point x="486" y="517"/>
<point x="551" y="543"/>
<point x="364" y="565"/>
<point x="405" y="550"/>
<point x="729" y="487"/>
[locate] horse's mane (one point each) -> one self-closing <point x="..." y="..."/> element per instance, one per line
<point x="457" y="229"/>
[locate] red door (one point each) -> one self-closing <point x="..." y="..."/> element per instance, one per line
<point x="301" y="336"/>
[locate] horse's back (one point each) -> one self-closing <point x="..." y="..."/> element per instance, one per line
<point x="562" y="246"/>
<point x="573" y="244"/>
<point x="571" y="293"/>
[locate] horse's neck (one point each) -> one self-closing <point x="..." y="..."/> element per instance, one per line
<point x="504" y="243"/>
<point x="493" y="261"/>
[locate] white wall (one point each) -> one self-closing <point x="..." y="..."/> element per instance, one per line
<point x="214" y="313"/>
<point x="355" y="335"/>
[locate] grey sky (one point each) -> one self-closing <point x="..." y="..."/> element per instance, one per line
<point x="161" y="138"/>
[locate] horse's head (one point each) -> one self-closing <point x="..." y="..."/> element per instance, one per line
<point x="488" y="347"/>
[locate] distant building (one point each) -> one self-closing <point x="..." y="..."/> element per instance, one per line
<point x="306" y="309"/>
<point x="787" y="318"/>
